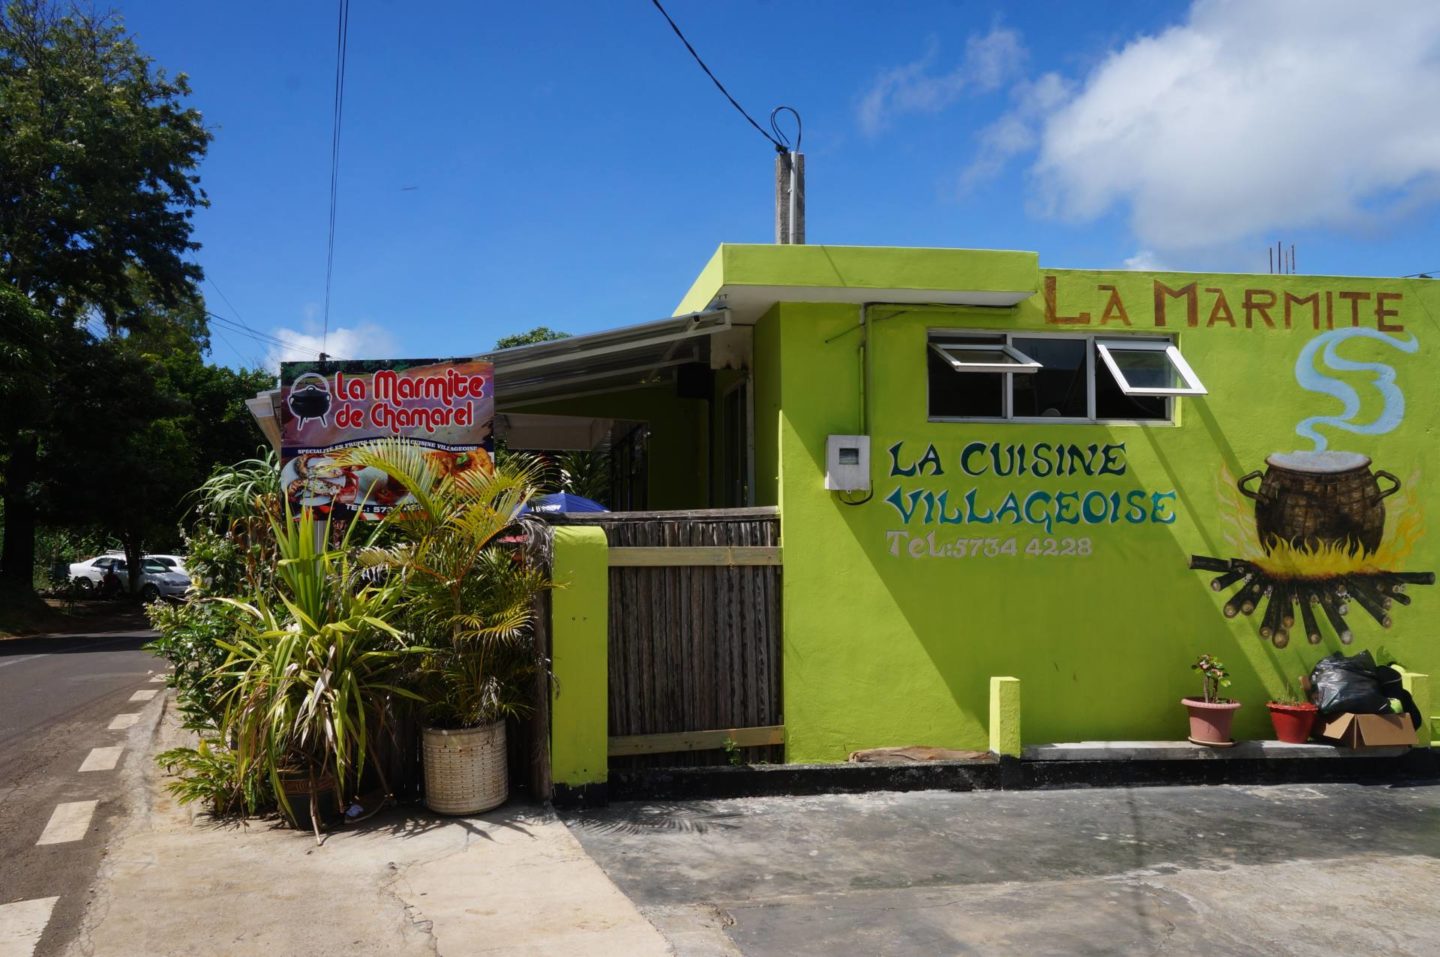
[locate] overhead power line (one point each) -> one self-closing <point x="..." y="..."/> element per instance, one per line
<point x="720" y="86"/>
<point x="220" y="331"/>
<point x="244" y="330"/>
<point x="342" y="36"/>
<point x="222" y="295"/>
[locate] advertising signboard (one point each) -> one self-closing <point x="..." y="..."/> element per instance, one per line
<point x="446" y="406"/>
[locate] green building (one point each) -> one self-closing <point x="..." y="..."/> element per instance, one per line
<point x="1079" y="479"/>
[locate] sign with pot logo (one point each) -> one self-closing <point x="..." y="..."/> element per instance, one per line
<point x="446" y="406"/>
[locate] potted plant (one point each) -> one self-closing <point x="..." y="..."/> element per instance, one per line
<point x="1292" y="716"/>
<point x="312" y="671"/>
<point x="1211" y="715"/>
<point x="470" y="598"/>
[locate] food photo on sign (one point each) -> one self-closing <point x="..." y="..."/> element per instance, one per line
<point x="329" y="409"/>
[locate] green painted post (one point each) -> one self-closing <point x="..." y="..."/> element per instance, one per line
<point x="579" y="613"/>
<point x="1005" y="716"/>
<point x="1419" y="687"/>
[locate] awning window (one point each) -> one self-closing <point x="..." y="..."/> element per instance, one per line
<point x="978" y="355"/>
<point x="1149" y="367"/>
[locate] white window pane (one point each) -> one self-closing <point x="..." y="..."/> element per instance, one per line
<point x="1149" y="368"/>
<point x="984" y="357"/>
<point x="1145" y="370"/>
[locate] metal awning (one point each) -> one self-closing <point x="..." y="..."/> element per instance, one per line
<point x="632" y="357"/>
<point x="628" y="358"/>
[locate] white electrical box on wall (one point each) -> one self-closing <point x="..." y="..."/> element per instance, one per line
<point x="847" y="463"/>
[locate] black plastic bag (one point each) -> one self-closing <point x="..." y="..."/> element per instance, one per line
<point x="1342" y="685"/>
<point x="1393" y="686"/>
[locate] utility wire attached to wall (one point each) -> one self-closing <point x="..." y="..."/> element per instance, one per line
<point x="342" y="36"/>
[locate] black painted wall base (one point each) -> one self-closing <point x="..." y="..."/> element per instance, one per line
<point x="1420" y="765"/>
<point x="580" y="796"/>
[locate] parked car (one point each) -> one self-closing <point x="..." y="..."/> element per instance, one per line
<point x="176" y="563"/>
<point x="157" y="579"/>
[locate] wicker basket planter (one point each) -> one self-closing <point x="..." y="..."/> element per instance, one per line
<point x="465" y="770"/>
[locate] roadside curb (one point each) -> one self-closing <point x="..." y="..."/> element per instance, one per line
<point x="137" y="777"/>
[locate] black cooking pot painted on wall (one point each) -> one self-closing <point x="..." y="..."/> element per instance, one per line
<point x="313" y="400"/>
<point x="1314" y="499"/>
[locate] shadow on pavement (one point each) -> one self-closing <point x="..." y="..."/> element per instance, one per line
<point x="655" y="817"/>
<point x="78" y="643"/>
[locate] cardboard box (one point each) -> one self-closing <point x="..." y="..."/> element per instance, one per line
<point x="1368" y="730"/>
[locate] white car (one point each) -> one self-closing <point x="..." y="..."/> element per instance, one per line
<point x="157" y="580"/>
<point x="176" y="563"/>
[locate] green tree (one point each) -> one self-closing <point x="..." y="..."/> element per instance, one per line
<point x="145" y="422"/>
<point x="538" y="334"/>
<point x="98" y="153"/>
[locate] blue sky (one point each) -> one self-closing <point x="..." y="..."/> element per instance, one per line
<point x="567" y="164"/>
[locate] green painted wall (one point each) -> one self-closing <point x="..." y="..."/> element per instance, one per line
<point x="737" y="265"/>
<point x="882" y="648"/>
<point x="678" y="438"/>
<point x="766" y="379"/>
<point x="579" y="743"/>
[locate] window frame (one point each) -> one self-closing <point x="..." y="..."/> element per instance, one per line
<point x="1020" y="363"/>
<point x="1193" y="385"/>
<point x="1091" y="370"/>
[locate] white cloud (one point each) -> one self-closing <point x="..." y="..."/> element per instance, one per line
<point x="990" y="61"/>
<point x="1252" y="118"/>
<point x="365" y="341"/>
<point x="1015" y="132"/>
<point x="1145" y="261"/>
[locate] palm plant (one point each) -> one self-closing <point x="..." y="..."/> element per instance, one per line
<point x="314" y="670"/>
<point x="467" y="596"/>
<point x="231" y="548"/>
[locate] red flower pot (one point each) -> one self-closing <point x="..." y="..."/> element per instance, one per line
<point x="1210" y="720"/>
<point x="1293" y="721"/>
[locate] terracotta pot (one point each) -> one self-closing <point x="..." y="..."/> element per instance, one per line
<point x="1210" y="720"/>
<point x="1310" y="499"/>
<point x="1293" y="721"/>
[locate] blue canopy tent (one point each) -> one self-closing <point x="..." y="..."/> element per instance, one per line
<point x="564" y="502"/>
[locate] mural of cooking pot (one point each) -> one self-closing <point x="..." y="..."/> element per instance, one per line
<point x="1318" y="549"/>
<point x="1310" y="500"/>
<point x="310" y="402"/>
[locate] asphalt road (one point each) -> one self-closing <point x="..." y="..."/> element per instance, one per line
<point x="59" y="697"/>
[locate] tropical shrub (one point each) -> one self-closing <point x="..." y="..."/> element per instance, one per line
<point x="210" y="772"/>
<point x="469" y="595"/>
<point x="191" y="638"/>
<point x="231" y="548"/>
<point x="314" y="665"/>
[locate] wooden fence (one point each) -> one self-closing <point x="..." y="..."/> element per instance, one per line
<point x="694" y="631"/>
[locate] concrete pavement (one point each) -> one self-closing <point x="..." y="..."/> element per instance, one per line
<point x="1284" y="869"/>
<point x="1290" y="869"/>
<point x="405" y="882"/>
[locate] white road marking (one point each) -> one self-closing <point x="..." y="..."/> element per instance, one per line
<point x="69" y="822"/>
<point x="144" y="695"/>
<point x="122" y="721"/>
<point x="15" y="661"/>
<point x="102" y="759"/>
<point x="21" y="925"/>
<point x="159" y="677"/>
